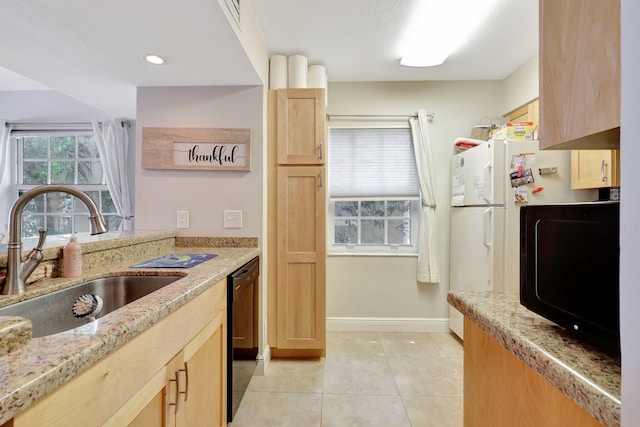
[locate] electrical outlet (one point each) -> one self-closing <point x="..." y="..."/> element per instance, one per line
<point x="232" y="219"/>
<point x="183" y="219"/>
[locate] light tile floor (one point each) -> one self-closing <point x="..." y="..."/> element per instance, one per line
<point x="367" y="379"/>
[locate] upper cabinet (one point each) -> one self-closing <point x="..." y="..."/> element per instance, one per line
<point x="526" y="113"/>
<point x="595" y="169"/>
<point x="579" y="74"/>
<point x="301" y="133"/>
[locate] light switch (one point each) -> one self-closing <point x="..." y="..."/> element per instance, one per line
<point x="232" y="219"/>
<point x="183" y="219"/>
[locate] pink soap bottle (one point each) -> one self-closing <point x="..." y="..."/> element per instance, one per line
<point x="72" y="258"/>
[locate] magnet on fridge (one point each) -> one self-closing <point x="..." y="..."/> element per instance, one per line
<point x="537" y="190"/>
<point x="548" y="171"/>
<point x="521" y="196"/>
<point x="521" y="177"/>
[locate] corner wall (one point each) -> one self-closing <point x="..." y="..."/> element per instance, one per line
<point x="521" y="87"/>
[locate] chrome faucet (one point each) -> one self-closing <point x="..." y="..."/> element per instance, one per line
<point x="17" y="271"/>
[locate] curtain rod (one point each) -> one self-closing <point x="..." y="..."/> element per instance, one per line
<point x="372" y="116"/>
<point x="57" y="125"/>
<point x="50" y="125"/>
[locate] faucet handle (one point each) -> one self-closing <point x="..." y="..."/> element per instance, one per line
<point x="42" y="235"/>
<point x="34" y="257"/>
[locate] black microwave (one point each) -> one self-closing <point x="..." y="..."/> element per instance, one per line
<point x="570" y="268"/>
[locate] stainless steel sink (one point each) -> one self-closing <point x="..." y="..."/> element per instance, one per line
<point x="52" y="313"/>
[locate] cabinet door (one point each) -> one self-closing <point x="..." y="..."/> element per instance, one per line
<point x="526" y="113"/>
<point x="301" y="215"/>
<point x="516" y="392"/>
<point x="579" y="73"/>
<point x="595" y="169"/>
<point x="205" y="361"/>
<point x="301" y="127"/>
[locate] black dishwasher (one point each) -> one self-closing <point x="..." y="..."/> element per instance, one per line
<point x="242" y="332"/>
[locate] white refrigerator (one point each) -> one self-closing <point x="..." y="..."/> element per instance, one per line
<point x="489" y="183"/>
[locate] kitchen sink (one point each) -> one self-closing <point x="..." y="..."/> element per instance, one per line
<point x="52" y="313"/>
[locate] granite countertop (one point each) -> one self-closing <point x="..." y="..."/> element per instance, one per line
<point x="587" y="376"/>
<point x="43" y="364"/>
<point x="15" y="333"/>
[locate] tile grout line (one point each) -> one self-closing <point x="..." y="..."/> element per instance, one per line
<point x="386" y="356"/>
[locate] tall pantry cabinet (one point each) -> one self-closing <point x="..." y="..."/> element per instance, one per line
<point x="297" y="210"/>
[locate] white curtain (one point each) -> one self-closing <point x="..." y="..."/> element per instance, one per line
<point x="112" y="139"/>
<point x="5" y="135"/>
<point x="428" y="264"/>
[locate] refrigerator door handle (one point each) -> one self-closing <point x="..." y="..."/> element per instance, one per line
<point x="487" y="217"/>
<point x="487" y="180"/>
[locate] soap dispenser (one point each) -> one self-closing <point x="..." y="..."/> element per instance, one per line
<point x="72" y="258"/>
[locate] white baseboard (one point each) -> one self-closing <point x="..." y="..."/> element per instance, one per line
<point x="387" y="324"/>
<point x="263" y="361"/>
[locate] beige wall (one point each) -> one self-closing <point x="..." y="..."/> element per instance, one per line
<point x="205" y="194"/>
<point x="521" y="86"/>
<point x="385" y="288"/>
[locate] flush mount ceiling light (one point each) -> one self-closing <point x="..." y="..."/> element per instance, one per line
<point x="440" y="27"/>
<point x="154" y="59"/>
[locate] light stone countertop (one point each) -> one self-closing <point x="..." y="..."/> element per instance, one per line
<point x="44" y="364"/>
<point x="587" y="376"/>
<point x="15" y="333"/>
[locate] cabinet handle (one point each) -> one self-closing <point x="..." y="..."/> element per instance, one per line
<point x="320" y="180"/>
<point x="177" y="402"/>
<point x="602" y="171"/>
<point x="186" y="380"/>
<point x="320" y="150"/>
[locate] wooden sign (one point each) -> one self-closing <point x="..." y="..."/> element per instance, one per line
<point x="196" y="148"/>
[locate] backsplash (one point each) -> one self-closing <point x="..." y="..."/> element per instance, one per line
<point x="139" y="247"/>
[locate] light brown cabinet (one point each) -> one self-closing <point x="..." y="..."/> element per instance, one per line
<point x="173" y="374"/>
<point x="595" y="169"/>
<point x="526" y="113"/>
<point x="192" y="391"/>
<point x="301" y="127"/>
<point x="297" y="210"/>
<point x="580" y="74"/>
<point x="500" y="390"/>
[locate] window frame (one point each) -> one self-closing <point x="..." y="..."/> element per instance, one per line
<point x="75" y="210"/>
<point x="385" y="249"/>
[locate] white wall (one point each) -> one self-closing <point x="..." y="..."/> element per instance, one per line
<point x="630" y="206"/>
<point x="521" y="86"/>
<point x="385" y="289"/>
<point x="40" y="106"/>
<point x="205" y="194"/>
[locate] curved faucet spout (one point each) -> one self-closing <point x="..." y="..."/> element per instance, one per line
<point x="17" y="272"/>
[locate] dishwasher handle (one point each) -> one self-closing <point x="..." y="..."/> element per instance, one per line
<point x="245" y="270"/>
<point x="244" y="276"/>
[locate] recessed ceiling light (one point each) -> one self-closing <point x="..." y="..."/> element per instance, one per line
<point x="154" y="59"/>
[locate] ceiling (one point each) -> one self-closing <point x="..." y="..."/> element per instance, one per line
<point x="92" y="50"/>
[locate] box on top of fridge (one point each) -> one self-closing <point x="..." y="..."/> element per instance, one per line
<point x="515" y="131"/>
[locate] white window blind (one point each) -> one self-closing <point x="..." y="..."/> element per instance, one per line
<point x="372" y="162"/>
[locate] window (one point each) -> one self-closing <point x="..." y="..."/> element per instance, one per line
<point x="374" y="192"/>
<point x="61" y="157"/>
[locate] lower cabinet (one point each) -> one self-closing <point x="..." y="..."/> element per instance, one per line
<point x="502" y="391"/>
<point x="173" y="374"/>
<point x="189" y="389"/>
